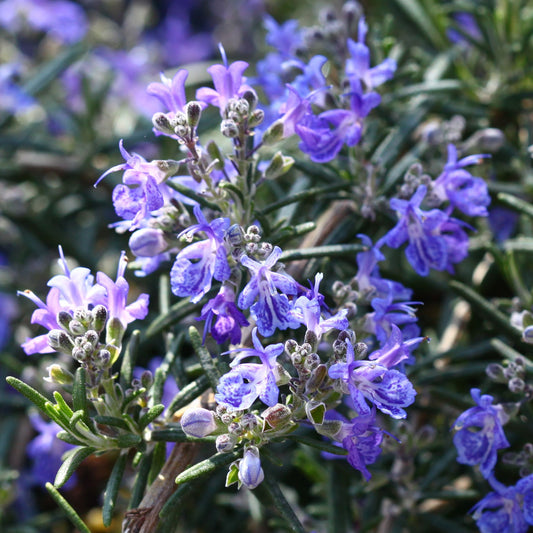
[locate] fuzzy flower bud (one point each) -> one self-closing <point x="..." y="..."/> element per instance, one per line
<point x="229" y="128"/>
<point x="225" y="443"/>
<point x="277" y="415"/>
<point x="60" y="341"/>
<point x="193" y="112"/>
<point x="147" y="242"/>
<point x="57" y="374"/>
<point x="99" y="313"/>
<point x="162" y="124"/>
<point x="198" y="422"/>
<point x="250" y="472"/>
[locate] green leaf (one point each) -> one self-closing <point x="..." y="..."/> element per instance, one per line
<point x="69" y="511"/>
<point x="128" y="441"/>
<point x="62" y="405"/>
<point x="487" y="309"/>
<point x="113" y="421"/>
<point x="207" y="466"/>
<point x="112" y="488"/>
<point x="189" y="393"/>
<point x="150" y="415"/>
<point x="206" y="360"/>
<point x="175" y="314"/>
<point x="129" y="358"/>
<point x="202" y="200"/>
<point x="72" y="459"/>
<point x="79" y="393"/>
<point x="158" y="460"/>
<point x="174" y="433"/>
<point x="330" y="250"/>
<point x="321" y="445"/>
<point x="35" y="397"/>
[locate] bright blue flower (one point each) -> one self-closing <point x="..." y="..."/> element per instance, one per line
<point x="245" y="382"/>
<point x="308" y="310"/>
<point x="480" y="433"/>
<point x="272" y="310"/>
<point x="361" y="438"/>
<point x="229" y="320"/>
<point x="228" y="81"/>
<point x="358" y="65"/>
<point x="465" y="192"/>
<point x="324" y="136"/>
<point x="435" y="240"/>
<point x="388" y="390"/>
<point x="507" y="509"/>
<point x="197" y="264"/>
<point x="143" y="190"/>
<point x="284" y="37"/>
<point x="395" y="350"/>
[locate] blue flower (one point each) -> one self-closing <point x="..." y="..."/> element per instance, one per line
<point x="358" y="64"/>
<point x="308" y="310"/>
<point x="507" y="509"/>
<point x="395" y="350"/>
<point x="284" y="37"/>
<point x="171" y="92"/>
<point x="229" y="320"/>
<point x="435" y="240"/>
<point x="272" y="310"/>
<point x="465" y="192"/>
<point x="389" y="390"/>
<point x="142" y="190"/>
<point x="241" y="386"/>
<point x="480" y="433"/>
<point x="361" y="438"/>
<point x="197" y="264"/>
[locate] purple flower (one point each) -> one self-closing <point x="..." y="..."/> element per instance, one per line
<point x="116" y="296"/>
<point x="250" y="472"/>
<point x="63" y="20"/>
<point x="361" y="438"/>
<point x="68" y="291"/>
<point x="171" y="92"/>
<point x="285" y="37"/>
<point x="465" y="192"/>
<point x="389" y="390"/>
<point x="395" y="350"/>
<point x="324" y="136"/>
<point x="245" y="382"/>
<point x="13" y="97"/>
<point x="272" y="310"/>
<point x="507" y="509"/>
<point x="466" y="22"/>
<point x="308" y="310"/>
<point x="480" y="433"/>
<point x="229" y="320"/>
<point x="142" y="190"/>
<point x="197" y="264"/>
<point x="358" y="65"/>
<point x="228" y="81"/>
<point x="426" y="249"/>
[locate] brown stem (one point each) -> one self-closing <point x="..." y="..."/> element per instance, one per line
<point x="145" y="518"/>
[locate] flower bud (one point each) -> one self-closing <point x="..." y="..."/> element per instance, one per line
<point x="76" y="327"/>
<point x="495" y="373"/>
<point x="229" y="128"/>
<point x="99" y="313"/>
<point x="251" y="97"/>
<point x="198" y="422"/>
<point x="277" y="415"/>
<point x="60" y="341"/>
<point x="225" y="443"/>
<point x="57" y="374"/>
<point x="194" y="112"/>
<point x="274" y="133"/>
<point x="278" y="166"/>
<point x="63" y="319"/>
<point x="147" y="242"/>
<point x="162" y="124"/>
<point x="250" y="472"/>
<point x="256" y="118"/>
